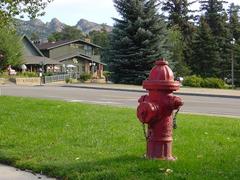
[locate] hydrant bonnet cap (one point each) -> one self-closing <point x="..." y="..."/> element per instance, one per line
<point x="161" y="77"/>
<point x="161" y="62"/>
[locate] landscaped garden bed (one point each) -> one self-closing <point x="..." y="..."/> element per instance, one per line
<point x="82" y="141"/>
<point x="28" y="81"/>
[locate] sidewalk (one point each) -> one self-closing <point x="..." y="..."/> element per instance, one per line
<point x="10" y="173"/>
<point x="225" y="93"/>
<point x="182" y="91"/>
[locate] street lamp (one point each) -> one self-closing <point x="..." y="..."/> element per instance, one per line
<point x="41" y="71"/>
<point x="232" y="68"/>
<point x="92" y="65"/>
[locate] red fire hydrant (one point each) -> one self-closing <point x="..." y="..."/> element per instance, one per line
<point x="156" y="110"/>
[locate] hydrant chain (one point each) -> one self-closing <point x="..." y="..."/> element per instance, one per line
<point x="175" y="119"/>
<point x="144" y="131"/>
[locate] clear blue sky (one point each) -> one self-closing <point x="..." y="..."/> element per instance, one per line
<point x="99" y="11"/>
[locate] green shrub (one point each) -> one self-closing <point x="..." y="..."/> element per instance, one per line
<point x="85" y="76"/>
<point x="68" y="80"/>
<point x="197" y="81"/>
<point x="28" y="74"/>
<point x="193" y="81"/>
<point x="4" y="74"/>
<point x="107" y="75"/>
<point x="48" y="74"/>
<point x="213" y="83"/>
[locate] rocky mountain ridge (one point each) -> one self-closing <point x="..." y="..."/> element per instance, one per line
<point x="38" y="28"/>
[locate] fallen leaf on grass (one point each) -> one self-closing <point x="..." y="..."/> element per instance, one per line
<point x="168" y="171"/>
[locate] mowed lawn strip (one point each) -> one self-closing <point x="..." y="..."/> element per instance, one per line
<point x="83" y="141"/>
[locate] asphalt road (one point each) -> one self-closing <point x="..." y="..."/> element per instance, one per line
<point x="192" y="104"/>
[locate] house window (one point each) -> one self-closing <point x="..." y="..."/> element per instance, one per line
<point x="88" y="50"/>
<point x="96" y="51"/>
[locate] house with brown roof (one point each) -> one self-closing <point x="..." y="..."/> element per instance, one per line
<point x="77" y="56"/>
<point x="34" y="59"/>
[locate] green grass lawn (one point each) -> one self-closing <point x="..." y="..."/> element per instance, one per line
<point x="82" y="141"/>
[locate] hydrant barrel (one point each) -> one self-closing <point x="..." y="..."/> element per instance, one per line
<point x="156" y="109"/>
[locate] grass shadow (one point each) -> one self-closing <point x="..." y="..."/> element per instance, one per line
<point x="122" y="167"/>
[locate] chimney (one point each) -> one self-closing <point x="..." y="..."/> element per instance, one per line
<point x="88" y="40"/>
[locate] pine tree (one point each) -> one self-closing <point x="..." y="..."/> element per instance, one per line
<point x="179" y="17"/>
<point x="234" y="21"/>
<point x="234" y="26"/>
<point x="216" y="18"/>
<point x="214" y="15"/>
<point x="137" y="40"/>
<point x="205" y="51"/>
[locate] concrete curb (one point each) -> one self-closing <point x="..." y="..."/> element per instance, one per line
<point x="144" y="91"/>
<point x="208" y="95"/>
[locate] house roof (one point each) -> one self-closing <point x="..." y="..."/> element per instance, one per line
<point x="52" y="45"/>
<point x="81" y="56"/>
<point x="40" y="60"/>
<point x="33" y="45"/>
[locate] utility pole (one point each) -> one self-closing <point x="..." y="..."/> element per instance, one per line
<point x="232" y="59"/>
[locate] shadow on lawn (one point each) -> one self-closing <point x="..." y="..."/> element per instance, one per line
<point x="131" y="167"/>
<point x="4" y="159"/>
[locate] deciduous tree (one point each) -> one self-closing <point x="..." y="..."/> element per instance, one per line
<point x="12" y="8"/>
<point x="10" y="48"/>
<point x="68" y="33"/>
<point x="102" y="39"/>
<point x="180" y="68"/>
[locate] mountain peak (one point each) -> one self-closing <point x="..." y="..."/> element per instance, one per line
<point x="88" y="26"/>
<point x="83" y="20"/>
<point x="55" y="20"/>
<point x="55" y="25"/>
<point x="37" y="22"/>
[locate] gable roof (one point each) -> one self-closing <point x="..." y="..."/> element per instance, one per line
<point x="81" y="56"/>
<point x="33" y="45"/>
<point x="52" y="45"/>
